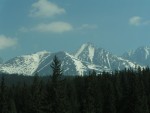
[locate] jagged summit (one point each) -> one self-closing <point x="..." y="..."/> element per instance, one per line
<point x="86" y="51"/>
<point x="42" y="52"/>
<point x="141" y="55"/>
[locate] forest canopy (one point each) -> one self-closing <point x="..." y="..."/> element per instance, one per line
<point x="126" y="91"/>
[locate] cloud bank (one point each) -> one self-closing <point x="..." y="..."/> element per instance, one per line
<point x="6" y="42"/>
<point x="54" y="27"/>
<point x="136" y="20"/>
<point x="44" y="8"/>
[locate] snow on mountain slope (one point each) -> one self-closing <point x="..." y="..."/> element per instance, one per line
<point x="86" y="52"/>
<point x="87" y="58"/>
<point x="70" y="65"/>
<point x="141" y="56"/>
<point x="103" y="58"/>
<point x="26" y="64"/>
<point x="40" y="63"/>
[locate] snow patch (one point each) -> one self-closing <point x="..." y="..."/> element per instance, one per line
<point x="80" y="50"/>
<point x="147" y="53"/>
<point x="79" y="66"/>
<point x="108" y="60"/>
<point x="91" y="53"/>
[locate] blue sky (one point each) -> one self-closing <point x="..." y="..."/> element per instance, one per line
<point x="28" y="26"/>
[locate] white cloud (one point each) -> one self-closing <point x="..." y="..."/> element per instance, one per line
<point x="55" y="27"/>
<point x="88" y="26"/>
<point x="6" y="42"/>
<point x="44" y="8"/>
<point x="136" y="20"/>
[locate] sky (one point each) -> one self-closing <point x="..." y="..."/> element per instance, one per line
<point x="29" y="26"/>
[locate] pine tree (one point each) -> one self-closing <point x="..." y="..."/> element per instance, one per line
<point x="108" y="96"/>
<point x="56" y="68"/>
<point x="91" y="93"/>
<point x="56" y="76"/>
<point x="11" y="101"/>
<point x="24" y="96"/>
<point x="72" y="96"/>
<point x="36" y="95"/>
<point x="141" y="103"/>
<point x="12" y="106"/>
<point x="3" y="96"/>
<point x="56" y="95"/>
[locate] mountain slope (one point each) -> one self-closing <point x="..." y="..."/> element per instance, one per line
<point x="141" y="56"/>
<point x="98" y="56"/>
<point x="87" y="58"/>
<point x="26" y="64"/>
<point x="70" y="65"/>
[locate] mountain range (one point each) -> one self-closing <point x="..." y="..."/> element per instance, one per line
<point x="86" y="58"/>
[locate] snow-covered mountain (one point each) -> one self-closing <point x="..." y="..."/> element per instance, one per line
<point x="40" y="63"/>
<point x="98" y="56"/>
<point x="88" y="57"/>
<point x="26" y="64"/>
<point x="70" y="65"/>
<point x="141" y="56"/>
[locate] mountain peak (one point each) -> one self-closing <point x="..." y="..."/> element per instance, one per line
<point x="42" y="52"/>
<point x="141" y="55"/>
<point x="89" y="44"/>
<point x="86" y="50"/>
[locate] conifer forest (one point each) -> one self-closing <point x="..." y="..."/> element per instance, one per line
<point x="126" y="91"/>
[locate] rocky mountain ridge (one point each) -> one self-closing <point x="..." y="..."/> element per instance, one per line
<point x="88" y="57"/>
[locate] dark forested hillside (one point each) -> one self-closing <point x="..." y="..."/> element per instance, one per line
<point x="121" y="92"/>
<point x="125" y="91"/>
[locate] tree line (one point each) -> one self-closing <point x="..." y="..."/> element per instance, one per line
<point x="126" y="91"/>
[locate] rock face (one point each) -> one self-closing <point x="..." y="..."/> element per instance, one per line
<point x="103" y="58"/>
<point x="87" y="58"/>
<point x="141" y="56"/>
